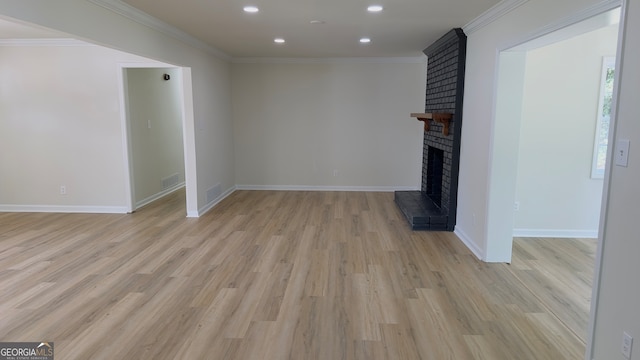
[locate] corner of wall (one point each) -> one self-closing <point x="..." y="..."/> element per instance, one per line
<point x="469" y="242"/>
<point x="203" y="210"/>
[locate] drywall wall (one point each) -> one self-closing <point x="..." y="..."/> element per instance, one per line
<point x="209" y="129"/>
<point x="510" y="88"/>
<point x="554" y="188"/>
<point x="329" y="125"/>
<point x="618" y="294"/>
<point x="484" y="190"/>
<point x="60" y="125"/>
<point x="154" y="109"/>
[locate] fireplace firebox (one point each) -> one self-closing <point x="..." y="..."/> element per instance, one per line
<point x="435" y="160"/>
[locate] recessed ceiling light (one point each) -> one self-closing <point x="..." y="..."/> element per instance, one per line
<point x="375" y="8"/>
<point x="317" y="22"/>
<point x="251" y="9"/>
<point x="365" y="40"/>
<point x="278" y="40"/>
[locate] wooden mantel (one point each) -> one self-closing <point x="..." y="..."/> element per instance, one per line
<point x="443" y="118"/>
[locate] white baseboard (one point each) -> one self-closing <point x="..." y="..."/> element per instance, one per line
<point x="469" y="243"/>
<point x="555" y="233"/>
<point x="327" y="188"/>
<point x="64" y="209"/>
<point x="159" y="195"/>
<point x="213" y="203"/>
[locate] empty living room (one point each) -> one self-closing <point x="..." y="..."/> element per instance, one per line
<point x="319" y="180"/>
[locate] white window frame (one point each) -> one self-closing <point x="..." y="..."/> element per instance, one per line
<point x="600" y="141"/>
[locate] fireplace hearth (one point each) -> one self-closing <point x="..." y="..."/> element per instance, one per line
<point x="434" y="206"/>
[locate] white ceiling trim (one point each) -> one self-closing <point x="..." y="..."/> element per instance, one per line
<point x="43" y="42"/>
<point x="143" y="18"/>
<point x="494" y="13"/>
<point x="359" y="60"/>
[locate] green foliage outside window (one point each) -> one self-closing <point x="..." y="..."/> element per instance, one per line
<point x="604" y="117"/>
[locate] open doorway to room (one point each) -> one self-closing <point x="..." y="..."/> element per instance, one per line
<point x="154" y="106"/>
<point x="549" y="95"/>
<point x="557" y="192"/>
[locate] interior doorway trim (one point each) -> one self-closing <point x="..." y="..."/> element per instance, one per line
<point x="579" y="16"/>
<point x="584" y="14"/>
<point x="497" y="227"/>
<point x="188" y="133"/>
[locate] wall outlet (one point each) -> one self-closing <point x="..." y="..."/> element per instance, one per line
<point x="621" y="153"/>
<point x="627" y="344"/>
<point x="335" y="172"/>
<point x="63" y="190"/>
<point x="516" y="206"/>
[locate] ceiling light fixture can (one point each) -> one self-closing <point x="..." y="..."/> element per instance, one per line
<point x="278" y="40"/>
<point x="251" y="9"/>
<point x="375" y="8"/>
<point x="365" y="40"/>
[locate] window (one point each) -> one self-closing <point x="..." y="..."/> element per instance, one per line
<point x="604" y="115"/>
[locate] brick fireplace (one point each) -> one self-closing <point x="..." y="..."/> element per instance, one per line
<point x="434" y="206"/>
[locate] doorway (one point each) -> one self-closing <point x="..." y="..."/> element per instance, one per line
<point x="508" y="127"/>
<point x="159" y="146"/>
<point x="557" y="194"/>
<point x="547" y="100"/>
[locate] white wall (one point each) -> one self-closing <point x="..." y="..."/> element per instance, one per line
<point x="619" y="292"/>
<point x="209" y="129"/>
<point x="154" y="108"/>
<point x="504" y="156"/>
<point x="484" y="191"/>
<point x="295" y="123"/>
<point x="557" y="195"/>
<point x="60" y="125"/>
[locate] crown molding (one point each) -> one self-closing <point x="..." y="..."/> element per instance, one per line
<point x="145" y="19"/>
<point x="43" y="42"/>
<point x="494" y="13"/>
<point x="421" y="59"/>
<point x="586" y="13"/>
<point x="506" y="6"/>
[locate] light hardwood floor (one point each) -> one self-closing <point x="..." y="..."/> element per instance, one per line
<point x="284" y="275"/>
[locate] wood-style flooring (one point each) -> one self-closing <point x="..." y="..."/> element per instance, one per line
<point x="284" y="275"/>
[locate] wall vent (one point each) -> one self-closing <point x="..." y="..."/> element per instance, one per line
<point x="213" y="193"/>
<point x="170" y="181"/>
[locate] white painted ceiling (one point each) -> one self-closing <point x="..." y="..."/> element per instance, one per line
<point x="403" y="28"/>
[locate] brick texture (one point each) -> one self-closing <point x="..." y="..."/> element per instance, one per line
<point x="444" y="91"/>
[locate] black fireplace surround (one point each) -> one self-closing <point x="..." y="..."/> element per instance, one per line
<point x="434" y="206"/>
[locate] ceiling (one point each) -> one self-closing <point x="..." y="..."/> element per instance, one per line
<point x="402" y="28"/>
